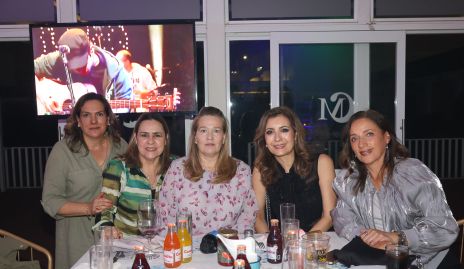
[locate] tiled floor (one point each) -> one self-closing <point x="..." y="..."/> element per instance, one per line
<point x="22" y="213"/>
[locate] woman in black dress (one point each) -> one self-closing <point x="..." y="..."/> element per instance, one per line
<point x="287" y="171"/>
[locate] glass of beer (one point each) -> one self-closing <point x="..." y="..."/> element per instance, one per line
<point x="320" y="242"/>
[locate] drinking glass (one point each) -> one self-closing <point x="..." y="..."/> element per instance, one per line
<point x="300" y="254"/>
<point x="184" y="214"/>
<point x="147" y="221"/>
<point x="397" y="256"/>
<point x="100" y="257"/>
<point x="290" y="230"/>
<point x="320" y="242"/>
<point x="287" y="211"/>
<point x="103" y="235"/>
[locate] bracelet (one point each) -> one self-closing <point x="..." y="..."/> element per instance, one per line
<point x="402" y="240"/>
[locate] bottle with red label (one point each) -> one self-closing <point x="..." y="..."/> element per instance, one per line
<point x="241" y="254"/>
<point x="274" y="243"/>
<point x="172" y="254"/>
<point x="140" y="262"/>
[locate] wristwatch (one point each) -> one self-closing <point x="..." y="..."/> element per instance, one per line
<point x="402" y="240"/>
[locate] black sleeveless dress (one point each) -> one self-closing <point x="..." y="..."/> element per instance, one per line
<point x="291" y="188"/>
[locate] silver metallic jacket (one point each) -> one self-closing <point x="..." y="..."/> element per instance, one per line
<point x="413" y="201"/>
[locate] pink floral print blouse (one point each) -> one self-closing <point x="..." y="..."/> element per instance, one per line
<point x="213" y="206"/>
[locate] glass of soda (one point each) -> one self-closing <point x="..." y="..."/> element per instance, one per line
<point x="397" y="256"/>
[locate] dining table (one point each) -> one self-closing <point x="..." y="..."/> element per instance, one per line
<point x="123" y="251"/>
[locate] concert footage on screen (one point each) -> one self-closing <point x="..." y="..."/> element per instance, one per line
<point x="137" y="67"/>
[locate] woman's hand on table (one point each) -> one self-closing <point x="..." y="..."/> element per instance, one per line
<point x="378" y="239"/>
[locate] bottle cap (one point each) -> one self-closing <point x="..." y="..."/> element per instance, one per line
<point x="171" y="225"/>
<point x="183" y="221"/>
<point x="274" y="222"/>
<point x="227" y="232"/>
<point x="248" y="233"/>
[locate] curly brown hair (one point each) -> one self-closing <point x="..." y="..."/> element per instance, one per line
<point x="72" y="132"/>
<point x="347" y="158"/>
<point x="266" y="163"/>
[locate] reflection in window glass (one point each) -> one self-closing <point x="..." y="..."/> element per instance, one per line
<point x="249" y="91"/>
<point x="316" y="81"/>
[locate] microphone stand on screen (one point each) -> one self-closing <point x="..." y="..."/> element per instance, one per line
<point x="64" y="49"/>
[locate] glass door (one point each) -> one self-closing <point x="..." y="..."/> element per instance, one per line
<point x="326" y="77"/>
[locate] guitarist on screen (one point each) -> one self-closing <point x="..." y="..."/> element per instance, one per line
<point x="143" y="83"/>
<point x="94" y="68"/>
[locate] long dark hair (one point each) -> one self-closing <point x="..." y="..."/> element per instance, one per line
<point x="226" y="166"/>
<point x="72" y="132"/>
<point x="266" y="163"/>
<point x="131" y="156"/>
<point x="394" y="150"/>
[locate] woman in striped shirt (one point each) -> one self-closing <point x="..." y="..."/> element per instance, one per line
<point x="137" y="174"/>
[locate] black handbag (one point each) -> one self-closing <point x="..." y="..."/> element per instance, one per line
<point x="208" y="244"/>
<point x="356" y="252"/>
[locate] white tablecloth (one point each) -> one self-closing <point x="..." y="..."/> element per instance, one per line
<point x="199" y="261"/>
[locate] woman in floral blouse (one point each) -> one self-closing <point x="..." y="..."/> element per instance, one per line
<point x="211" y="184"/>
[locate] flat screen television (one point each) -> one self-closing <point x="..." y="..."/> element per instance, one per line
<point x="138" y="67"/>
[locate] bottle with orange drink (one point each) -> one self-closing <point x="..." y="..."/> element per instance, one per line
<point x="172" y="254"/>
<point x="185" y="241"/>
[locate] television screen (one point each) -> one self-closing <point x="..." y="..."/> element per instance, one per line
<point x="137" y="67"/>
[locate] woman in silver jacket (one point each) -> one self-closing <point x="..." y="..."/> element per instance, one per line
<point x="385" y="197"/>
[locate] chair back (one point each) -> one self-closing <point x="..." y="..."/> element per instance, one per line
<point x="461" y="247"/>
<point x="11" y="244"/>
